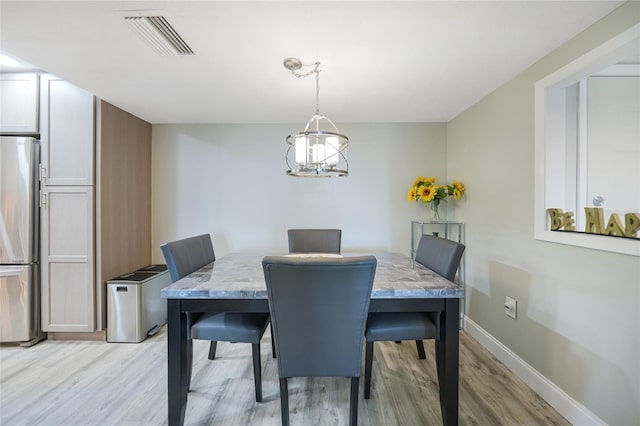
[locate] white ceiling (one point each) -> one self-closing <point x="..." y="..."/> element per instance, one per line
<point x="382" y="61"/>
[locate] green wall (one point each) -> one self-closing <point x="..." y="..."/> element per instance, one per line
<point x="578" y="309"/>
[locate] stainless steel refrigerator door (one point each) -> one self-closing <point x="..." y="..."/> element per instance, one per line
<point x="19" y="222"/>
<point x="17" y="301"/>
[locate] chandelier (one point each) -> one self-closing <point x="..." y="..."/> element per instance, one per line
<point x="320" y="150"/>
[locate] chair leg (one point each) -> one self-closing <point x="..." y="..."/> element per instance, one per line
<point x="189" y="362"/>
<point x="273" y="341"/>
<point x="353" y="406"/>
<point x="284" y="401"/>
<point x="420" y="347"/>
<point x="212" y="349"/>
<point x="257" y="370"/>
<point x="368" y="364"/>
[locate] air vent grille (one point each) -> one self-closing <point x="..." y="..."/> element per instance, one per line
<point x="159" y="33"/>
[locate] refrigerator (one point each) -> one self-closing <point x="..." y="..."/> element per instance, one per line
<point x="19" y="240"/>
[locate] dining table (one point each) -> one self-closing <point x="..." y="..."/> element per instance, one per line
<point x="235" y="282"/>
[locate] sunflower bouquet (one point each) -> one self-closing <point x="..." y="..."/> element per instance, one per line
<point x="426" y="190"/>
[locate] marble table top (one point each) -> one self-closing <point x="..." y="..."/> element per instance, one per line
<point x="240" y="275"/>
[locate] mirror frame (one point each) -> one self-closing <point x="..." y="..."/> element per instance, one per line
<point x="591" y="62"/>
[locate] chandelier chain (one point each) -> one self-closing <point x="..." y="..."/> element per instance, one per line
<point x="317" y="91"/>
<point x="316" y="70"/>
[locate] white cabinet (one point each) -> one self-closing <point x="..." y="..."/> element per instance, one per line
<point x="68" y="296"/>
<point x="67" y="133"/>
<point x="67" y="137"/>
<point x="19" y="103"/>
<point x="96" y="161"/>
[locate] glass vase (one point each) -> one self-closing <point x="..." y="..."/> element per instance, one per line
<point x="434" y="210"/>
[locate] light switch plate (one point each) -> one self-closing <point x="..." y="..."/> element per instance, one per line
<point x="510" y="307"/>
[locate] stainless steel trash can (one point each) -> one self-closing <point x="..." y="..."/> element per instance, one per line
<point x="134" y="306"/>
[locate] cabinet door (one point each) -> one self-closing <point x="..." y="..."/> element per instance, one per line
<point x="19" y="103"/>
<point x="68" y="289"/>
<point x="67" y="133"/>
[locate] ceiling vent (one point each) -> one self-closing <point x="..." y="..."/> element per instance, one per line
<point x="159" y="33"/>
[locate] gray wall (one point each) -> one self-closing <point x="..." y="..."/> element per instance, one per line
<point x="229" y="180"/>
<point x="579" y="309"/>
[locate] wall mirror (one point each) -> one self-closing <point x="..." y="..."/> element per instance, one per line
<point x="587" y="143"/>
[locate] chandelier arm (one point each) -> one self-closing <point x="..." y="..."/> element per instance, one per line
<point x="332" y="123"/>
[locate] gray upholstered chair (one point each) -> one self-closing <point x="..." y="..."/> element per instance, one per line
<point x="318" y="310"/>
<point x="442" y="257"/>
<point x="189" y="255"/>
<point x="315" y="240"/>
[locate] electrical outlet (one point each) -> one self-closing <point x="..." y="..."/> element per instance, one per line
<point x="510" y="307"/>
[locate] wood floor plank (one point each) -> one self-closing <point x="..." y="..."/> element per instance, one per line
<point x="89" y="383"/>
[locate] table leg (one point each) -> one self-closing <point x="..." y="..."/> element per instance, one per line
<point x="177" y="359"/>
<point x="448" y="356"/>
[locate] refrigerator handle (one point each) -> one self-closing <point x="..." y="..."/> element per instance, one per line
<point x="43" y="199"/>
<point x="10" y="272"/>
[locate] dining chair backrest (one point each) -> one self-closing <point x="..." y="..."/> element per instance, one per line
<point x="440" y="255"/>
<point x="315" y="240"/>
<point x="188" y="255"/>
<point x="319" y="309"/>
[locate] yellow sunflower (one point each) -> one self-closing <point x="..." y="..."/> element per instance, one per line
<point x="412" y="195"/>
<point x="457" y="194"/>
<point x="427" y="193"/>
<point x="421" y="180"/>
<point x="459" y="186"/>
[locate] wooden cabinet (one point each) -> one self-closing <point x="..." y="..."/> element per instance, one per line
<point x="123" y="198"/>
<point x="19" y="103"/>
<point x="68" y="290"/>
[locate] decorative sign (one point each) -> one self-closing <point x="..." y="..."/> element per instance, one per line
<point x="563" y="221"/>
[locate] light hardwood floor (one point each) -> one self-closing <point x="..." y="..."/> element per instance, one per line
<point x="96" y="383"/>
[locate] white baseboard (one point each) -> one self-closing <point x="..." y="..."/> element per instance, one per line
<point x="571" y="409"/>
